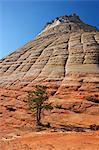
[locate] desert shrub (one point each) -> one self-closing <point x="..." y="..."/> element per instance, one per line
<point x="58" y="106"/>
<point x="92" y="99"/>
<point x="94" y="127"/>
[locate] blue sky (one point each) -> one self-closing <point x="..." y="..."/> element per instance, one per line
<point x="22" y="20"/>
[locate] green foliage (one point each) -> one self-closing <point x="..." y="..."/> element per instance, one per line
<point x="37" y="101"/>
<point x="37" y="98"/>
<point x="48" y="106"/>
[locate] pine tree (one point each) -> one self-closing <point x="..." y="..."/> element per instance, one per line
<point x="37" y="101"/>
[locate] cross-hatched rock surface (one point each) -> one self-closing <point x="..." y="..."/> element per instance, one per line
<point x="65" y="58"/>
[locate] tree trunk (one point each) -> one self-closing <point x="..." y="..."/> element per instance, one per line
<point x="38" y="115"/>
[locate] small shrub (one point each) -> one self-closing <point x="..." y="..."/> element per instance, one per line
<point x="52" y="21"/>
<point x="92" y="99"/>
<point x="48" y="23"/>
<point x="94" y="127"/>
<point x="57" y="18"/>
<point x="58" y="106"/>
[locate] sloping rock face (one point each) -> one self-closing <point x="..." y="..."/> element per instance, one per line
<point x="65" y="58"/>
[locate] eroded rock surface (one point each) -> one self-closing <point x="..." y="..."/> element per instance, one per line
<point x="65" y="58"/>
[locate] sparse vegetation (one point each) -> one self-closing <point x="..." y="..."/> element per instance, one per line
<point x="57" y="18"/>
<point x="94" y="127"/>
<point x="48" y="23"/>
<point x="92" y="99"/>
<point x="38" y="101"/>
<point x="59" y="106"/>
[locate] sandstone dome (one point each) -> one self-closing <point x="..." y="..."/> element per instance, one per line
<point x="66" y="45"/>
<point x="65" y="58"/>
